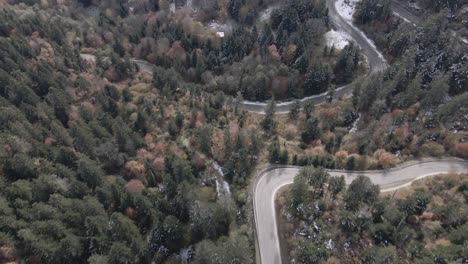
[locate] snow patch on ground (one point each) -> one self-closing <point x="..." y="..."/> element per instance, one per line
<point x="221" y="186"/>
<point x="464" y="40"/>
<point x="346" y="8"/>
<point x="220" y="27"/>
<point x="339" y="39"/>
<point x="415" y="6"/>
<point x="402" y="17"/>
<point x="354" y="127"/>
<point x="266" y="14"/>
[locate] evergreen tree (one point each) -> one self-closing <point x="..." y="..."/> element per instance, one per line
<point x="234" y="8"/>
<point x="317" y="80"/>
<point x="294" y="110"/>
<point x="89" y="172"/>
<point x="361" y="191"/>
<point x="416" y="203"/>
<point x="284" y="157"/>
<point x="140" y="123"/>
<point x="336" y="185"/>
<point x="311" y="252"/>
<point x="268" y="123"/>
<point x="311" y="130"/>
<point x="351" y="163"/>
<point x="204" y="139"/>
<point x="298" y="194"/>
<point x="308" y="108"/>
<point x="274" y="151"/>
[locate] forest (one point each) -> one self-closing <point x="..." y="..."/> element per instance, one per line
<point x="332" y="223"/>
<point x="101" y="172"/>
<point x="104" y="162"/>
<point x="284" y="58"/>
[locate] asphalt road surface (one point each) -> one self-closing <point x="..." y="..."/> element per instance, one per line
<point x="403" y="10"/>
<point x="271" y="180"/>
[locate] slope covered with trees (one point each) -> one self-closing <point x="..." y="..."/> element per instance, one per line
<point x="281" y="57"/>
<point x="112" y="172"/>
<point x="103" y="163"/>
<point x="330" y="223"/>
<point x="414" y="100"/>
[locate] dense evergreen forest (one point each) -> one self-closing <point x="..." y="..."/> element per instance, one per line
<point x="103" y="173"/>
<point x="101" y="162"/>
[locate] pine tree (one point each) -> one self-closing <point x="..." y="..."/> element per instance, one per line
<point x="274" y="151"/>
<point x="351" y="163"/>
<point x="284" y="159"/>
<point x="295" y="109"/>
<point x="301" y="64"/>
<point x="140" y="123"/>
<point x="268" y="123"/>
<point x="311" y="130"/>
<point x="308" y="108"/>
<point x="204" y="139"/>
<point x="317" y="80"/>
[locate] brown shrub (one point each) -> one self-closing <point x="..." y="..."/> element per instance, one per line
<point x="7" y="253"/>
<point x="149" y="142"/>
<point x="159" y="164"/>
<point x="130" y="212"/>
<point x="143" y="155"/>
<point x="432" y="149"/>
<point x="274" y="52"/>
<point x="462" y="150"/>
<point x="49" y="140"/>
<point x="160" y="149"/>
<point x="279" y="86"/>
<point x="289" y="53"/>
<point x="176" y="51"/>
<point x="340" y="158"/>
<point x="402" y="132"/>
<point x="135" y="186"/>
<point x="135" y="170"/>
<point x="217" y="146"/>
<point x="198" y="162"/>
<point x="387" y="160"/>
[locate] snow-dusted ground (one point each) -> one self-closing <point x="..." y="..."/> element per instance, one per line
<point x="402" y="17"/>
<point x="266" y="14"/>
<point x="346" y="10"/>
<point x="354" y="127"/>
<point x="226" y="27"/>
<point x="338" y="39"/>
<point x="415" y="6"/>
<point x="224" y="186"/>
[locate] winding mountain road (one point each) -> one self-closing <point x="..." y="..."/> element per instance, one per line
<point x="271" y="180"/>
<point x="375" y="60"/>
